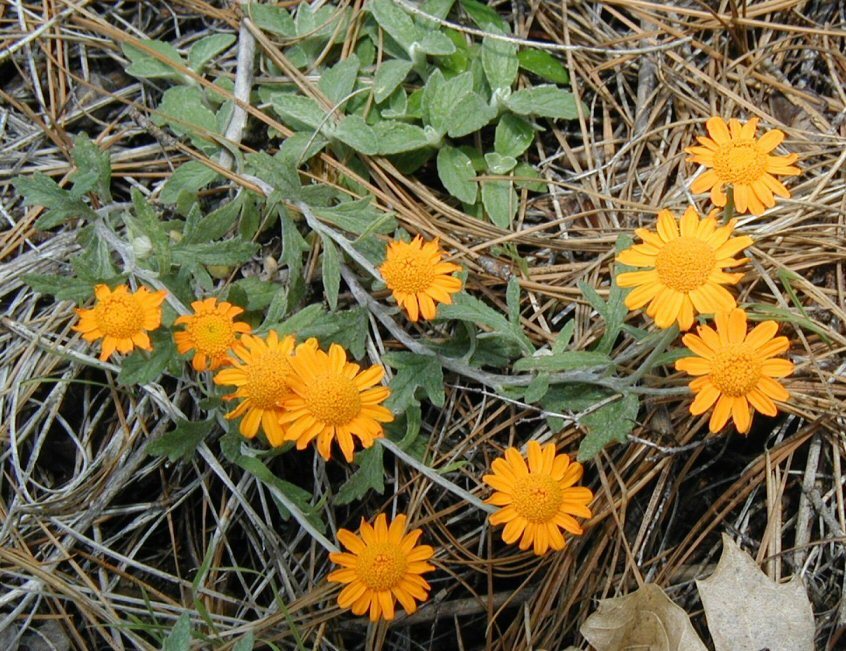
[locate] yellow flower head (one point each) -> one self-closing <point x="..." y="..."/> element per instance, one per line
<point x="736" y="370"/>
<point x="121" y="319"/>
<point x="686" y="262"/>
<point x="736" y="158"/>
<point x="383" y="566"/>
<point x="210" y="332"/>
<point x="260" y="370"/>
<point x="414" y="273"/>
<point x="539" y="500"/>
<point x="330" y="399"/>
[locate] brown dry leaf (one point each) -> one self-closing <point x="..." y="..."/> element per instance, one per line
<point x="644" y="620"/>
<point x="748" y="611"/>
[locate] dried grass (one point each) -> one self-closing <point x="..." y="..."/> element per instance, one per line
<point x="114" y="545"/>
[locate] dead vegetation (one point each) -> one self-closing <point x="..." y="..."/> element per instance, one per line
<point x="113" y="545"/>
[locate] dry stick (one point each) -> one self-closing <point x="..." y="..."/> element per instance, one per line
<point x="243" y="86"/>
<point x="803" y="515"/>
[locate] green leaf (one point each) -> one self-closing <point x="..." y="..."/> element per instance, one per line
<point x="271" y="18"/>
<point x="359" y="135"/>
<point x="246" y="643"/>
<point x="470" y="114"/>
<point x="358" y="217"/>
<point x="499" y="164"/>
<point x="179" y="638"/>
<point x="147" y="223"/>
<point x="300" y="111"/>
<point x="299" y="497"/>
<point x="544" y="65"/>
<point x="513" y="135"/>
<point x="512" y="299"/>
<point x="257" y="292"/>
<point x="565" y="336"/>
<point x="189" y="177"/>
<point x="613" y="312"/>
<point x="181" y="442"/>
<point x="41" y="190"/>
<point x="471" y="309"/>
<point x="345" y="327"/>
<point x="414" y="371"/>
<point x="396" y="107"/>
<point x="395" y="21"/>
<point x="565" y="361"/>
<point x="141" y="367"/>
<point x="184" y="110"/>
<point x="524" y="175"/>
<point x="300" y="147"/>
<point x="545" y="100"/>
<point x="610" y="423"/>
<point x="436" y="44"/>
<point x="216" y="224"/>
<point x="455" y="169"/>
<point x="441" y="98"/>
<point x="338" y="81"/>
<point x="279" y="173"/>
<point x="484" y="16"/>
<point x="396" y="137"/>
<point x="93" y="169"/>
<point x="389" y="76"/>
<point x="331" y="271"/>
<point x="207" y="48"/>
<point x="369" y="476"/>
<point x="227" y="252"/>
<point x="537" y="389"/>
<point x="63" y="288"/>
<point x="438" y="9"/>
<point x="94" y="264"/>
<point x="147" y="66"/>
<point x="499" y="61"/>
<point x="500" y="201"/>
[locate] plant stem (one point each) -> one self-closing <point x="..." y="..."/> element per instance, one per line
<point x="434" y="476"/>
<point x="666" y="337"/>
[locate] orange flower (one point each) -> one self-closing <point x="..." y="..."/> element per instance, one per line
<point x="330" y="399"/>
<point x="210" y="332"/>
<point x="414" y="273"/>
<point x="384" y="566"/>
<point x="121" y="319"/>
<point x="538" y="500"/>
<point x="260" y="371"/>
<point x="736" y="370"/>
<point x="686" y="263"/>
<point x="736" y="158"/>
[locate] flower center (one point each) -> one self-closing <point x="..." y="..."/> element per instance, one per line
<point x="120" y="316"/>
<point x="267" y="379"/>
<point x="684" y="264"/>
<point x="381" y="566"/>
<point x="409" y="273"/>
<point x="735" y="370"/>
<point x="740" y="161"/>
<point x="333" y="399"/>
<point x="212" y="334"/>
<point x="537" y="497"/>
